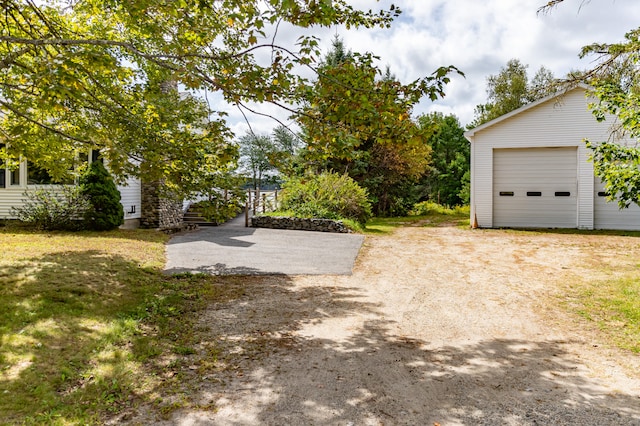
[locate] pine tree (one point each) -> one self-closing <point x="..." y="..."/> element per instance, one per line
<point x="105" y="212"/>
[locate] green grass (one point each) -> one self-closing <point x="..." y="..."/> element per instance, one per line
<point x="425" y="214"/>
<point x="614" y="306"/>
<point x="88" y="324"/>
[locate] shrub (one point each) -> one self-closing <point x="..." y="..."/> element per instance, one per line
<point x="105" y="212"/>
<point x="220" y="209"/>
<point x="62" y="208"/>
<point x="426" y="208"/>
<point x="326" y="196"/>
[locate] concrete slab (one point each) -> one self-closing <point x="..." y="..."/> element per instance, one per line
<point x="233" y="249"/>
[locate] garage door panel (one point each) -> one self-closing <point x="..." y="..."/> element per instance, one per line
<point x="549" y="172"/>
<point x="607" y="215"/>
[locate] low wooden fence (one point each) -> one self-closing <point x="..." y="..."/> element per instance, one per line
<point x="259" y="202"/>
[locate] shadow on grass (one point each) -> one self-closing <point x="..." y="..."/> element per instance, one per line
<point x="70" y="334"/>
<point x="258" y="363"/>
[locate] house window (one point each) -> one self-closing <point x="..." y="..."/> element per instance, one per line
<point x="3" y="171"/>
<point x="506" y="193"/>
<point x="96" y="156"/>
<point x="8" y="176"/>
<point x="534" y="194"/>
<point x="39" y="176"/>
<point x="563" y="194"/>
<point x="14" y="177"/>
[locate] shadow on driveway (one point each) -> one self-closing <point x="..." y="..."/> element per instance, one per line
<point x="233" y="249"/>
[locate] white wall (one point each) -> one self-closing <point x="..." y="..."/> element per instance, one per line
<point x="13" y="196"/>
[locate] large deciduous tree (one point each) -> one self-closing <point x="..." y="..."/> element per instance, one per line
<point x="256" y="152"/>
<point x="94" y="74"/>
<point x="450" y="157"/>
<point x="357" y="120"/>
<point x="510" y="89"/>
<point x="615" y="79"/>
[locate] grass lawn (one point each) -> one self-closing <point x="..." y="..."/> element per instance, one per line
<point x="89" y="325"/>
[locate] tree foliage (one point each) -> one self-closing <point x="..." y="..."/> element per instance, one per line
<point x="615" y="79"/>
<point x="358" y="121"/>
<point x="510" y="89"/>
<point x="450" y="159"/>
<point x="94" y="74"/>
<point x="256" y="152"/>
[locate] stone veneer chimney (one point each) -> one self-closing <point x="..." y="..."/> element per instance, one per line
<point x="160" y="210"/>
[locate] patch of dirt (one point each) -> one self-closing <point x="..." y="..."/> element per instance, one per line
<point x="436" y="326"/>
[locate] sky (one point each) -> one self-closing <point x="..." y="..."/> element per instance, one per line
<point x="478" y="37"/>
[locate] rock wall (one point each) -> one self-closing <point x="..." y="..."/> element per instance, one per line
<point x="160" y="211"/>
<point x="295" y="223"/>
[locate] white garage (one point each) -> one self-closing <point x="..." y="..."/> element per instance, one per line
<point x="530" y="169"/>
<point x="535" y="187"/>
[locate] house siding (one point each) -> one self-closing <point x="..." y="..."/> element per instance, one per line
<point x="13" y="196"/>
<point x="131" y="199"/>
<point x="556" y="122"/>
<point x="10" y="197"/>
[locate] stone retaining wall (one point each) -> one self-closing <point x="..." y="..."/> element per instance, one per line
<point x="295" y="223"/>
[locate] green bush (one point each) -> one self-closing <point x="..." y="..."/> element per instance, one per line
<point x="220" y="209"/>
<point x="326" y="196"/>
<point x="105" y="212"/>
<point x="59" y="208"/>
<point x="426" y="208"/>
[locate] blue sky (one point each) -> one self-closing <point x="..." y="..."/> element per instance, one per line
<point x="478" y="37"/>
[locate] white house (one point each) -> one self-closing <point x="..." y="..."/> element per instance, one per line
<point x="14" y="183"/>
<point x="530" y="169"/>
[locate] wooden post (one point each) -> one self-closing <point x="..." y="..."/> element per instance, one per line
<point x="256" y="199"/>
<point x="246" y="214"/>
<point x="275" y="195"/>
<point x="264" y="203"/>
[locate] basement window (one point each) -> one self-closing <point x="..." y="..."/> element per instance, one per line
<point x="563" y="194"/>
<point x="534" y="194"/>
<point x="602" y="194"/>
<point x="506" y="193"/>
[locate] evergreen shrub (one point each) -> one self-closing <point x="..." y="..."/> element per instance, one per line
<point x="105" y="211"/>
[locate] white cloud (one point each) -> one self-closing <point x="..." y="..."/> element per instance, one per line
<point x="479" y="38"/>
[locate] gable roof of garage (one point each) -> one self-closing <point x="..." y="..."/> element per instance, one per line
<point x="469" y="134"/>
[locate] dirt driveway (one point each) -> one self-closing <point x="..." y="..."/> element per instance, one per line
<point x="436" y="326"/>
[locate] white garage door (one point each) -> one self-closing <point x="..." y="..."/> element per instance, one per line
<point x="607" y="215"/>
<point x="535" y="187"/>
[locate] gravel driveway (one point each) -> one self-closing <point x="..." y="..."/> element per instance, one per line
<point x="436" y="326"/>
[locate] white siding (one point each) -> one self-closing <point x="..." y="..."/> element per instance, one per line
<point x="563" y="122"/>
<point x="10" y="197"/>
<point x="131" y="198"/>
<point x="535" y="187"/>
<point x="609" y="216"/>
<point x="13" y="196"/>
